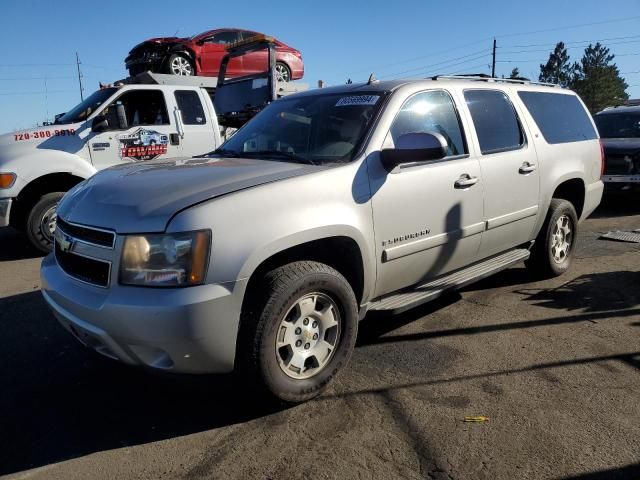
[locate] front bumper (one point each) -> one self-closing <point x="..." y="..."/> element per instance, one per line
<point x="185" y="330"/>
<point x="5" y="210"/>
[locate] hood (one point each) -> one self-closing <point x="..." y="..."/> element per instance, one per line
<point x="160" y="41"/>
<point x="51" y="137"/>
<point x="143" y="197"/>
<point x="621" y="146"/>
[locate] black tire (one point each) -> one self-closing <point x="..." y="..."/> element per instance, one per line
<point x="285" y="72"/>
<point x="180" y="57"/>
<point x="543" y="262"/>
<point x="258" y="359"/>
<point x="38" y="220"/>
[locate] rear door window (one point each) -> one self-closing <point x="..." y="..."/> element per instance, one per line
<point x="561" y="118"/>
<point x="495" y="120"/>
<point x="190" y="107"/>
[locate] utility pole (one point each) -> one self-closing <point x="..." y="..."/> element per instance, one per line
<point x="493" y="63"/>
<point x="80" y="75"/>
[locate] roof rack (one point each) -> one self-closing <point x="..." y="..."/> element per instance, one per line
<point x="483" y="77"/>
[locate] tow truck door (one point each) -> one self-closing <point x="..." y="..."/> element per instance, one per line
<point x="198" y="126"/>
<point x="149" y="130"/>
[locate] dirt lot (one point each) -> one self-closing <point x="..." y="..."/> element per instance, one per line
<point x="555" y="365"/>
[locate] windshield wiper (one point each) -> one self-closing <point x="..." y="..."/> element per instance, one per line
<point x="225" y="152"/>
<point x="280" y="154"/>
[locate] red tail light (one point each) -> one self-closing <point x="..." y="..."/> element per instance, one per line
<point x="601" y="159"/>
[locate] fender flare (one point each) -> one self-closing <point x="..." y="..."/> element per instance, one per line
<point x="325" y="232"/>
<point x="46" y="162"/>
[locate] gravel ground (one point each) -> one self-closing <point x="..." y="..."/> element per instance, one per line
<point x="555" y="365"/>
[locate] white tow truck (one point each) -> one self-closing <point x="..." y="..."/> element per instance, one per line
<point x="137" y="119"/>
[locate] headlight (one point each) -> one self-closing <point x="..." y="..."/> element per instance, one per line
<point x="165" y="260"/>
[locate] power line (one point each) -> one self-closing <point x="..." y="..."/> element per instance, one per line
<point x="613" y="20"/>
<point x="574" y="41"/>
<point x="34" y="78"/>
<point x="483" y="53"/>
<point x="41" y="92"/>
<point x="555" y="29"/>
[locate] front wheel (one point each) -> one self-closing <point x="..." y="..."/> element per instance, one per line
<point x="553" y="250"/>
<point x="179" y="64"/>
<point x="41" y="221"/>
<point x="299" y="332"/>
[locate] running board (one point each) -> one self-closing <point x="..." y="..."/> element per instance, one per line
<point x="406" y="299"/>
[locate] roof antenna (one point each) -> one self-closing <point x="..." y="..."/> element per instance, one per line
<point x="372" y="79"/>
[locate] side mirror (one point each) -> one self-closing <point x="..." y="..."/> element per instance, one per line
<point x="100" y="124"/>
<point x="414" y="147"/>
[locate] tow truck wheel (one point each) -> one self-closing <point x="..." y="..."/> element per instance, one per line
<point x="298" y="332"/>
<point x="283" y="74"/>
<point x="179" y="64"/>
<point x="553" y="249"/>
<point x="41" y="221"/>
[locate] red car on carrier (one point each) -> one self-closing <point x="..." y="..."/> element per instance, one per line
<point x="202" y="54"/>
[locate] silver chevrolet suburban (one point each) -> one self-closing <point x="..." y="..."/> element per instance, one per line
<point x="262" y="256"/>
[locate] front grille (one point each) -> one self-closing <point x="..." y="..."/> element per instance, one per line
<point x="86" y="269"/>
<point x="87" y="234"/>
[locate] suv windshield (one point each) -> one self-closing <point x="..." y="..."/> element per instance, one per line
<point x="313" y="128"/>
<point x="82" y="111"/>
<point x="618" y="125"/>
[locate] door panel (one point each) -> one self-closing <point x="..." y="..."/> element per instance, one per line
<point x="428" y="217"/>
<point x="213" y="51"/>
<point x="509" y="171"/>
<point x="147" y="135"/>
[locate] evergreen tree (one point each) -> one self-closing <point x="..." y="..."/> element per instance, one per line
<point x="597" y="80"/>
<point x="558" y="68"/>
<point x="515" y="73"/>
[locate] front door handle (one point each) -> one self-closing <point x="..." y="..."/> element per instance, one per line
<point x="527" y="167"/>
<point x="465" y="181"/>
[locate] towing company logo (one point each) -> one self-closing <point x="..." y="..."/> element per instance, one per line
<point x="143" y="144"/>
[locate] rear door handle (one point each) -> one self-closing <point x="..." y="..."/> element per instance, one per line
<point x="527" y="167"/>
<point x="465" y="181"/>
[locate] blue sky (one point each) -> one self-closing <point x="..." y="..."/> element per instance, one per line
<point x="338" y="39"/>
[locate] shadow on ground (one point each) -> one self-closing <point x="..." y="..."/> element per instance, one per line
<point x="59" y="400"/>
<point x="14" y="246"/>
<point x="618" y="204"/>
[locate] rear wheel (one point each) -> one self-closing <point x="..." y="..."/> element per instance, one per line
<point x="41" y="221"/>
<point x="283" y="74"/>
<point x="180" y="64"/>
<point x="299" y="332"/>
<point x="553" y="250"/>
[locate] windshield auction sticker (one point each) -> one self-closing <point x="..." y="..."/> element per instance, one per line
<point x="357" y="100"/>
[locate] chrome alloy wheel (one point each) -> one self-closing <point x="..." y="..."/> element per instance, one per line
<point x="308" y="336"/>
<point x="181" y="66"/>
<point x="282" y="73"/>
<point x="561" y="239"/>
<point x="48" y="224"/>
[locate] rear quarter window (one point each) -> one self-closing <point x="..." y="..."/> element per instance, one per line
<point x="561" y="118"/>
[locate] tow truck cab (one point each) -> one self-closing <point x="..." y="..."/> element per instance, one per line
<point x="137" y="119"/>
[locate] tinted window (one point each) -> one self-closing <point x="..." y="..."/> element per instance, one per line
<point x="224" y="37"/>
<point x="495" y="120"/>
<point x="561" y="118"/>
<point x="87" y="107"/>
<point x="141" y="107"/>
<point x="618" y="125"/>
<point x="431" y="111"/>
<point x="190" y="107"/>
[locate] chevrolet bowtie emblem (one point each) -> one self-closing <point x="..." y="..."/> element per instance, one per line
<point x="64" y="241"/>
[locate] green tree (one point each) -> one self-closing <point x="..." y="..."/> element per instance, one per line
<point x="558" y="68"/>
<point x="515" y="73"/>
<point x="597" y="80"/>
